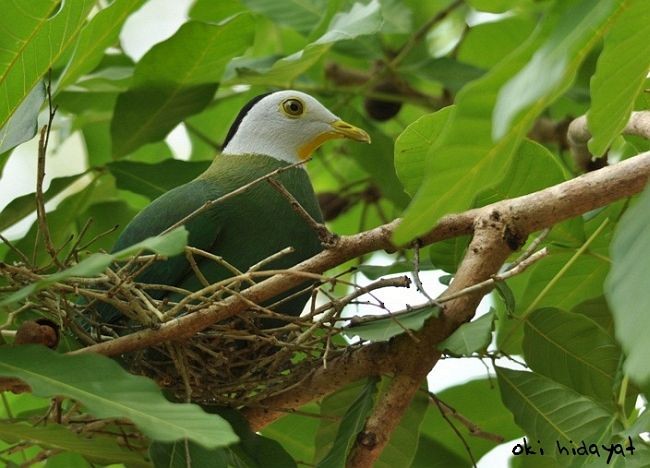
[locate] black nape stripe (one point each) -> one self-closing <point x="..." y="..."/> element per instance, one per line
<point x="242" y="113"/>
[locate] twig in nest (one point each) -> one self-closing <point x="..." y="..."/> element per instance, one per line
<point x="327" y="238"/>
<point x="16" y="250"/>
<point x="40" y="175"/>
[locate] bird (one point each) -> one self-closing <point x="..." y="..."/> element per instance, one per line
<point x="272" y="131"/>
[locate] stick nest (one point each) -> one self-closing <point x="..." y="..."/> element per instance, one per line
<point x="235" y="363"/>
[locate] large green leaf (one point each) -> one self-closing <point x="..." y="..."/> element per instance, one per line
<point x="98" y="449"/>
<point x="572" y="350"/>
<point x="22" y="206"/>
<point x="351" y="424"/>
<point x="33" y="40"/>
<point x="175" y="79"/>
<point x="486" y="44"/>
<point x="109" y="391"/>
<point x="550" y="412"/>
<point x="563" y="279"/>
<point x="627" y="288"/>
<point x="479" y="402"/>
<point x="361" y="20"/>
<point x="412" y="146"/>
<point x="153" y="180"/>
<point x="580" y="26"/>
<point x="458" y="167"/>
<point x="252" y="451"/>
<point x="620" y="74"/>
<point x="296" y="432"/>
<point x="301" y="15"/>
<point x="470" y="337"/>
<point x="168" y="244"/>
<point x="99" y="34"/>
<point x="23" y="124"/>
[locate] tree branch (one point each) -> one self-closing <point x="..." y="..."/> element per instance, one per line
<point x="579" y="135"/>
<point x="531" y="212"/>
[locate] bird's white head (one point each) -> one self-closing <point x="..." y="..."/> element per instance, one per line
<point x="286" y="125"/>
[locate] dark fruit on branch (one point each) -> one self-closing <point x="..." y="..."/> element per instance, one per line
<point x="381" y="110"/>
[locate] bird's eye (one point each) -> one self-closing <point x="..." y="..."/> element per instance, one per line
<point x="293" y="107"/>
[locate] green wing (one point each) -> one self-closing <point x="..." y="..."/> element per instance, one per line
<point x="161" y="214"/>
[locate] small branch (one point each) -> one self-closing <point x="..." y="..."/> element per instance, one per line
<point x="327" y="238"/>
<point x="422" y="32"/>
<point x="444" y="412"/>
<point x="515" y="269"/>
<point x="473" y="428"/>
<point x="416" y="270"/>
<point x="532" y="213"/>
<point x="40" y="176"/>
<point x="579" y="135"/>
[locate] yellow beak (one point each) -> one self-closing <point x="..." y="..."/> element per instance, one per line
<point x="340" y="129"/>
<point x="346" y="130"/>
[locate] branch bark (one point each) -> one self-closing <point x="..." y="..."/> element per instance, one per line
<point x="578" y="135"/>
<point x="519" y="216"/>
<point x="530" y="213"/>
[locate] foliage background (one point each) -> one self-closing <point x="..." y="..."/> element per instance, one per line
<point x="535" y="66"/>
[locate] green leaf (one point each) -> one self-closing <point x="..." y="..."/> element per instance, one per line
<point x="168" y="244"/>
<point x="597" y="310"/>
<point x="22" y="206"/>
<point x="478" y="401"/>
<point x="384" y="329"/>
<point x="98" y="449"/>
<point x="506" y="295"/>
<point x="572" y="350"/>
<point x="352" y="423"/>
<point x="471" y="337"/>
<point x="253" y="450"/>
<point x="627" y="290"/>
<point x="451" y="73"/>
<point x="23" y="124"/>
<point x="458" y="167"/>
<point x="301" y="15"/>
<point x="374" y="272"/>
<point x="108" y="391"/>
<point x="153" y="180"/>
<point x="412" y="146"/>
<point x="487" y="44"/>
<point x="100" y="33"/>
<point x="361" y="20"/>
<point x="34" y="39"/>
<point x="550" y="412"/>
<point x="175" y="79"/>
<point x="296" y="432"/>
<point x="580" y="26"/>
<point x="175" y="455"/>
<point x="620" y="75"/>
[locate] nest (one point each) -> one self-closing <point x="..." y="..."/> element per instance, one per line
<point x="238" y="362"/>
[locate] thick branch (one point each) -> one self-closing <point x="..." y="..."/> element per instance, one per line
<point x="579" y="135"/>
<point x="529" y="213"/>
